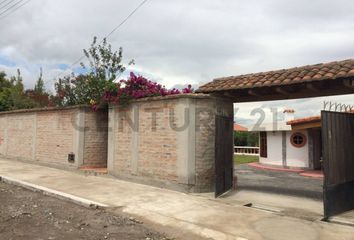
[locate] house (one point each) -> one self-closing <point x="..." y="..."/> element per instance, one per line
<point x="294" y="143"/>
<point x="239" y="128"/>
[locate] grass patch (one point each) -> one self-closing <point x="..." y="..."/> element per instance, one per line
<point x="242" y="159"/>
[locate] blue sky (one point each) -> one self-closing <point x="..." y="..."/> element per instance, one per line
<point x="182" y="42"/>
<point x="7" y="62"/>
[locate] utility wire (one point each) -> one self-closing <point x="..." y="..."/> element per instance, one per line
<point x="11" y="7"/>
<point x="7" y="4"/>
<point x="108" y="35"/>
<point x="2" y="2"/>
<point x="4" y="16"/>
<point x="126" y="19"/>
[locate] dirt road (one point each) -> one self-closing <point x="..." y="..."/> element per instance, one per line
<point x="29" y="215"/>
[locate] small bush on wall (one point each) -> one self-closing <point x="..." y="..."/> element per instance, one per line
<point x="135" y="87"/>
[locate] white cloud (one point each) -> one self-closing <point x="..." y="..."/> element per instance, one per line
<point x="180" y="42"/>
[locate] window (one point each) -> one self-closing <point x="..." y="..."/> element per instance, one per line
<point x="263" y="144"/>
<point x="298" y="140"/>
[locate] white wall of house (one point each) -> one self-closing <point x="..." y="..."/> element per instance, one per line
<point x="297" y="157"/>
<point x="274" y="142"/>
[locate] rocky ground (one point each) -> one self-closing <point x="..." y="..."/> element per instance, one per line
<point x="29" y="215"/>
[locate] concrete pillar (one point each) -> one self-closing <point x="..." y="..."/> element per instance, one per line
<point x="284" y="146"/>
<point x="79" y="136"/>
<point x="135" y="139"/>
<point x="184" y="113"/>
<point x="112" y="127"/>
<point x="7" y="135"/>
<point x="192" y="142"/>
<point x="34" y="141"/>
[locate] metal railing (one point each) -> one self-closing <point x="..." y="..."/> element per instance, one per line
<point x="241" y="150"/>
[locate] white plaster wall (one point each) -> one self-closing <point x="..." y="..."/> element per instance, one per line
<point x="297" y="157"/>
<point x="274" y="145"/>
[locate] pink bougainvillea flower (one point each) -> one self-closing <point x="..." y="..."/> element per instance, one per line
<point x="94" y="108"/>
<point x="136" y="87"/>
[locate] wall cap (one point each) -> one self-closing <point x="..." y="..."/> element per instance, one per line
<point x="172" y="97"/>
<point x="45" y="109"/>
<point x="147" y="99"/>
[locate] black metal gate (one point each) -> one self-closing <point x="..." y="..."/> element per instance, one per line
<point x="338" y="162"/>
<point x="224" y="164"/>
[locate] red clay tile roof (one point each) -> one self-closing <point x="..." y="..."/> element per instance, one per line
<point x="323" y="71"/>
<point x="288" y="111"/>
<point x="240" y="128"/>
<point x="307" y="120"/>
<point x="304" y="120"/>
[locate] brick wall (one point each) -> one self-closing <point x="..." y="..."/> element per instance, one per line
<point x="145" y="149"/>
<point x="55" y="136"/>
<point x="166" y="141"/>
<point x="205" y="140"/>
<point x="162" y="141"/>
<point x="47" y="136"/>
<point x="123" y="144"/>
<point x="20" y="132"/>
<point x="96" y="136"/>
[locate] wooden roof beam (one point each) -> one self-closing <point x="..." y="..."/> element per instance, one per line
<point x="312" y="87"/>
<point x="225" y="95"/>
<point x="349" y="83"/>
<point x="303" y="126"/>
<point x="281" y="90"/>
<point x="229" y="95"/>
<point x="252" y="92"/>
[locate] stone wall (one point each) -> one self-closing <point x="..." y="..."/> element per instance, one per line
<point x="166" y="141"/>
<point x="47" y="136"/>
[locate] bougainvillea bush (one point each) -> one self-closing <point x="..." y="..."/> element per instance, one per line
<point x="136" y="87"/>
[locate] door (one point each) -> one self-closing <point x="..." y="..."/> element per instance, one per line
<point x="316" y="149"/>
<point x="338" y="162"/>
<point x="224" y="152"/>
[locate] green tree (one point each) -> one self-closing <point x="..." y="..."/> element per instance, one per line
<point x="104" y="63"/>
<point x="240" y="138"/>
<point x="39" y="86"/>
<point x="5" y="87"/>
<point x="39" y="94"/>
<point x="12" y="95"/>
<point x="72" y="90"/>
<point x="104" y="66"/>
<point x="253" y="139"/>
<point x="249" y="139"/>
